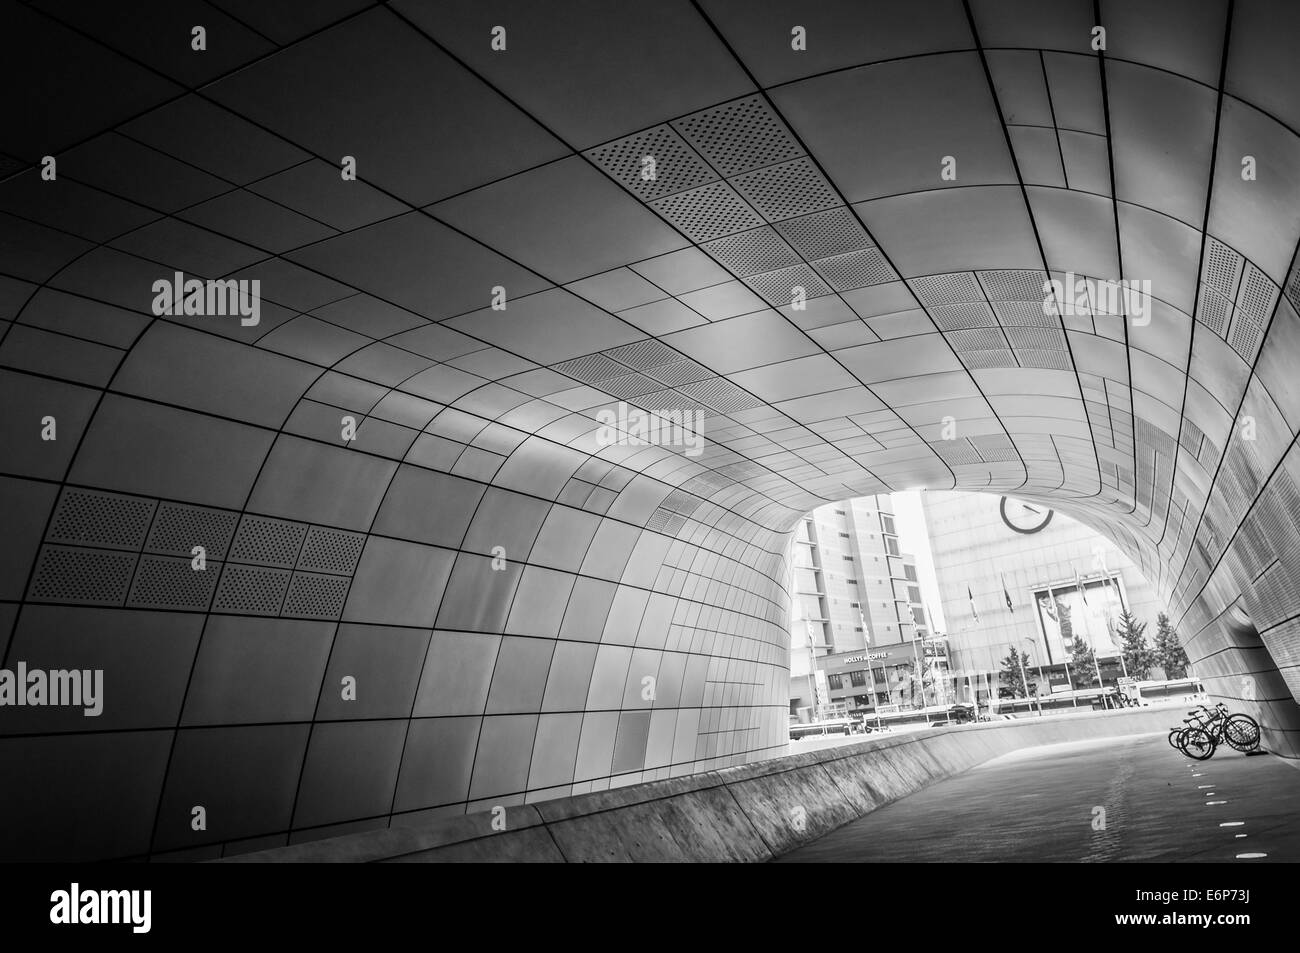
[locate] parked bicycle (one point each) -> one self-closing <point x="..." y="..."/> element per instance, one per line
<point x="1207" y="728"/>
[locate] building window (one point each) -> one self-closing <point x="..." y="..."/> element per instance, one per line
<point x="914" y="593"/>
<point x="844" y="535"/>
<point x="848" y="559"/>
<point x="858" y="679"/>
<point x="891" y="545"/>
<point x="854" y="605"/>
<point x="851" y="582"/>
<point x="887" y="522"/>
<point x="839" y="512"/>
<point x="836" y="682"/>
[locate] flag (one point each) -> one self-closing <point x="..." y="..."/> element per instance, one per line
<point x="971" y="596"/>
<point x="1010" y="607"/>
<point x="1078" y="584"/>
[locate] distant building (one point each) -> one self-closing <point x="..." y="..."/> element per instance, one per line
<point x="853" y="589"/>
<point x="988" y="548"/>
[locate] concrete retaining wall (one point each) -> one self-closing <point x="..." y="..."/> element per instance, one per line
<point x="748" y="813"/>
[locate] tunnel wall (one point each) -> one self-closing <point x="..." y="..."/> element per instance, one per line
<point x="748" y="813"/>
<point x="497" y="583"/>
<point x="520" y="617"/>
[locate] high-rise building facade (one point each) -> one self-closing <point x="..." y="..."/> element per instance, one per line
<point x="854" y="590"/>
<point x="1009" y="573"/>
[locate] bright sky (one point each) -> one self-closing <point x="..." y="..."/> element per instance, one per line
<point x="914" y="537"/>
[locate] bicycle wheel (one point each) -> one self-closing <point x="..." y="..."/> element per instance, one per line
<point x="1197" y="743"/>
<point x="1173" y="738"/>
<point x="1242" y="732"/>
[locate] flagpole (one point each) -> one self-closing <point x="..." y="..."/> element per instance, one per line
<point x="1110" y="618"/>
<point x="921" y="678"/>
<point x="1087" y="628"/>
<point x="871" y="672"/>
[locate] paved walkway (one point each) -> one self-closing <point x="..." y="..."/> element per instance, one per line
<point x="1039" y="805"/>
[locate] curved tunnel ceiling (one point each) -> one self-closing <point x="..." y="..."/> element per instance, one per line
<point x="497" y="578"/>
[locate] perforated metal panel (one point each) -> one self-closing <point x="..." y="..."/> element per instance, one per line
<point x="788" y="189"/>
<point x="955" y="317"/>
<point x="776" y="287"/>
<point x="629" y="385"/>
<point x="979" y="360"/>
<point x="1047" y="339"/>
<point x="1293" y="287"/>
<point x="1025" y="314"/>
<point x="644" y="354"/>
<point x="1191" y="437"/>
<point x="1222" y="268"/>
<point x="859" y="269"/>
<point x="81" y="576"/>
<point x="251" y="589"/>
<point x="167" y="582"/>
<point x="313" y="596"/>
<point x="721" y="395"/>
<point x="958" y="452"/>
<point x="953" y="288"/>
<point x="994" y="447"/>
<point x="101" y="519"/>
<point x="981" y="339"/>
<point x="591" y="369"/>
<point x="331" y="550"/>
<point x="739" y="136"/>
<point x="667" y="401"/>
<point x="1048" y="360"/>
<point x="823" y="234"/>
<point x="1213" y="311"/>
<point x="1257" y="297"/>
<point x="708" y="212"/>
<point x="670" y="524"/>
<point x="679" y="372"/>
<point x="752" y="252"/>
<point x="268" y="542"/>
<point x="676" y="167"/>
<point x="1209" y="457"/>
<point x="742" y="471"/>
<point x="179" y="528"/>
<point x="1245" y="336"/>
<point x="1002" y="285"/>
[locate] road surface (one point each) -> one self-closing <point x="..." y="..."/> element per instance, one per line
<point x="1046" y="804"/>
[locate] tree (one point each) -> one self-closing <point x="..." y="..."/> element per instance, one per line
<point x="1083" y="664"/>
<point x="1013" y="673"/>
<point x="1133" y="645"/>
<point x="1168" y="651"/>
